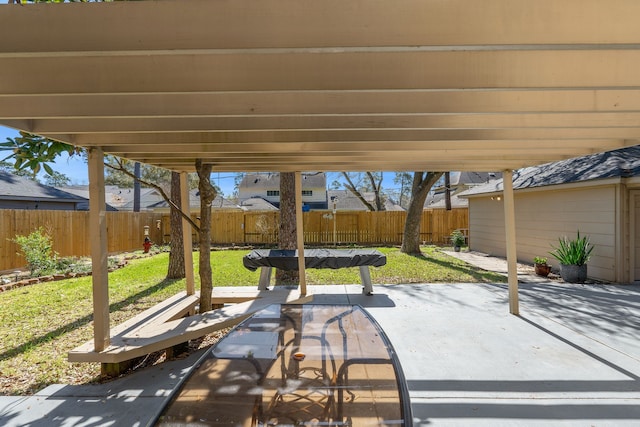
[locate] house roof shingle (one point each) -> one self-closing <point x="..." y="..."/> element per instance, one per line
<point x="14" y="187"/>
<point x="624" y="162"/>
<point x="257" y="204"/>
<point x="347" y="201"/>
<point x="272" y="180"/>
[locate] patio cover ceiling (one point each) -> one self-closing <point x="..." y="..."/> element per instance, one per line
<point x="290" y="85"/>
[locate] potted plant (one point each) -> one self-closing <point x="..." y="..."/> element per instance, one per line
<point x="541" y="267"/>
<point x="573" y="256"/>
<point x="457" y="240"/>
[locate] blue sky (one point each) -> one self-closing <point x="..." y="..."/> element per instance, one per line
<point x="76" y="169"/>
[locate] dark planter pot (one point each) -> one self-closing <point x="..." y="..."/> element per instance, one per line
<point x="542" y="269"/>
<point x="456" y="248"/>
<point x="573" y="273"/>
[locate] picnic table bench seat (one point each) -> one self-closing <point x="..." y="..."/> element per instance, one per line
<point x="172" y="322"/>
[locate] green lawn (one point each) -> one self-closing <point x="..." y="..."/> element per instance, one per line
<point x="41" y="323"/>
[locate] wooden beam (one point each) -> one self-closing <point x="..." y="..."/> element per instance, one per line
<point x="381" y="101"/>
<point x="370" y="69"/>
<point x="300" y="234"/>
<point x="246" y="24"/>
<point x="99" y="253"/>
<point x="510" y="235"/>
<point x="338" y="122"/>
<point x="462" y="164"/>
<point x="438" y="146"/>
<point x="186" y="235"/>
<point x="395" y="156"/>
<point x="485" y="137"/>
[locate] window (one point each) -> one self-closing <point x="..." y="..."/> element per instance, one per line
<point x="273" y="193"/>
<point x="307" y="192"/>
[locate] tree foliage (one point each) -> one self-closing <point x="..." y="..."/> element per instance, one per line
<point x="34" y="152"/>
<point x="56" y="179"/>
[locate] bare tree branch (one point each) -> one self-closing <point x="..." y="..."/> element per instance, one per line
<point x="351" y="187"/>
<point x="166" y="198"/>
<point x="376" y="189"/>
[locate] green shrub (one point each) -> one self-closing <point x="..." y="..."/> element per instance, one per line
<point x="573" y="252"/>
<point x="37" y="249"/>
<point x="539" y="260"/>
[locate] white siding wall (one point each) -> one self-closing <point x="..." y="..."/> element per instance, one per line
<point x="542" y="217"/>
<point x="319" y="194"/>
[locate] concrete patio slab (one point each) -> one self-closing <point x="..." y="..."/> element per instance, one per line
<point x="468" y="362"/>
<point x="571" y="359"/>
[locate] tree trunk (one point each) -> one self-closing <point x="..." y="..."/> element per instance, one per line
<point x="447" y="190"/>
<point x="287" y="231"/>
<point x="422" y="183"/>
<point x="176" y="255"/>
<point x="207" y="194"/>
<point x="136" y="187"/>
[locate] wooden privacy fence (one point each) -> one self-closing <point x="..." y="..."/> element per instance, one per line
<point x="125" y="230"/>
<point x="327" y="228"/>
<point x="70" y="232"/>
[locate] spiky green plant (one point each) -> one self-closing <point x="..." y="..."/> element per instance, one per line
<point x="457" y="238"/>
<point x="572" y="252"/>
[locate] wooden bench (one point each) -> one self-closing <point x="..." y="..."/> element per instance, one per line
<point x="173" y="322"/>
<point x="267" y="259"/>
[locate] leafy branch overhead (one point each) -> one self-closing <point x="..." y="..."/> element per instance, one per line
<point x="33" y="152"/>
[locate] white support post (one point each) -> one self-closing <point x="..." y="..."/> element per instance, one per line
<point x="300" y="234"/>
<point x="187" y="242"/>
<point x="99" y="253"/>
<point x="510" y="233"/>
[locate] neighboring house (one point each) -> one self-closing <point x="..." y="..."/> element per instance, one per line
<point x="120" y="198"/>
<point x="17" y="192"/>
<point x="123" y="198"/>
<point x="458" y="182"/>
<point x="83" y="191"/>
<point x="150" y="199"/>
<point x="599" y="195"/>
<point x="266" y="186"/>
<point x="347" y="201"/>
<point x="219" y="203"/>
